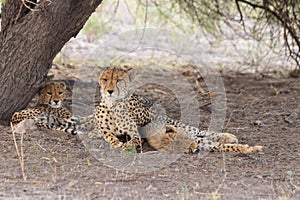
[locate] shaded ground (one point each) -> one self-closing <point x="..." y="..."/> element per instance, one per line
<point x="261" y="111"/>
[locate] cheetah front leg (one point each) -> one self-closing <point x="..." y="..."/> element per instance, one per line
<point x="135" y="142"/>
<point x="105" y="125"/>
<point x="45" y="120"/>
<point x="107" y="130"/>
<point x="112" y="140"/>
<point x="135" y="139"/>
<point x="128" y="127"/>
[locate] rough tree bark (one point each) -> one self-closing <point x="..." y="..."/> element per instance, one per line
<point x="31" y="35"/>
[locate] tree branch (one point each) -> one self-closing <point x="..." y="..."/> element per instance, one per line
<point x="277" y="16"/>
<point x="284" y="20"/>
<point x="239" y="10"/>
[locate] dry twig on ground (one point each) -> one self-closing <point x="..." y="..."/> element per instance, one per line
<point x="21" y="151"/>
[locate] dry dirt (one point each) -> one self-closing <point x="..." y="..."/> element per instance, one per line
<point x="263" y="111"/>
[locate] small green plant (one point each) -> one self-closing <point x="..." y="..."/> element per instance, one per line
<point x="130" y="150"/>
<point x="185" y="194"/>
<point x="289" y="175"/>
<point x="32" y="167"/>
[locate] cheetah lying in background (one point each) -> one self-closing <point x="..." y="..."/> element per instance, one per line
<point x="49" y="104"/>
<point x="120" y="113"/>
<point x="176" y="140"/>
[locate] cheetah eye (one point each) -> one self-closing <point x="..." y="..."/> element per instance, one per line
<point x="104" y="79"/>
<point x="119" y="80"/>
<point x="49" y="93"/>
<point x="60" y="93"/>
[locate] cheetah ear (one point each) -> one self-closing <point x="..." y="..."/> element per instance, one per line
<point x="131" y="73"/>
<point x="170" y="129"/>
<point x="48" y="83"/>
<point x="43" y="87"/>
<point x="127" y="68"/>
<point x="63" y="84"/>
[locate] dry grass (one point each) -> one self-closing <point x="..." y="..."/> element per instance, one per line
<point x="21" y="151"/>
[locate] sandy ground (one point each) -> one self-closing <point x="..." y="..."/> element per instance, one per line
<point x="263" y="111"/>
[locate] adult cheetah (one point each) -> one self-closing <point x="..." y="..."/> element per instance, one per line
<point x="50" y="100"/>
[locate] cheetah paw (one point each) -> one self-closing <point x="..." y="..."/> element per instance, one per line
<point x="246" y="149"/>
<point x="134" y="142"/>
<point x="255" y="149"/>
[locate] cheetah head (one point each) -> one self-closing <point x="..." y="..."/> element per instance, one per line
<point x="114" y="83"/>
<point x="53" y="94"/>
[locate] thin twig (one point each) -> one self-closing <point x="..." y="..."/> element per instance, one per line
<point x="31" y="2"/>
<point x="41" y="147"/>
<point x="145" y="23"/>
<point x="240" y="11"/>
<point x="225" y="174"/>
<point x="20" y="155"/>
<point x="28" y="7"/>
<point x="19" y="13"/>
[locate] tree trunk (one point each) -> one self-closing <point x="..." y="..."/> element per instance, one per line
<point x="31" y="35"/>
